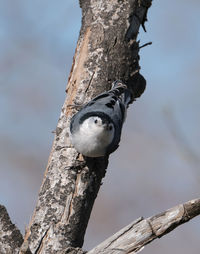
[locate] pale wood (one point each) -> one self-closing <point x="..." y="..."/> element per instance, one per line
<point x="106" y="50"/>
<point x="133" y="238"/>
<point x="130" y="239"/>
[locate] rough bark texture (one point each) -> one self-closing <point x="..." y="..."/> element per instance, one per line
<point x="106" y="50"/>
<point x="10" y="237"/>
<point x="130" y="239"/>
<point x="136" y="235"/>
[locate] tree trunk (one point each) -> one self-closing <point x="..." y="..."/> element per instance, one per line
<point x="106" y="50"/>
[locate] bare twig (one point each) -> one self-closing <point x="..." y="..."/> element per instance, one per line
<point x="107" y="50"/>
<point x="146" y="44"/>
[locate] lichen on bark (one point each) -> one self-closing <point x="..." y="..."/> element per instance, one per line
<point x="71" y="182"/>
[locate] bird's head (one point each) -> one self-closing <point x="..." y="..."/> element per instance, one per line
<point x="99" y="125"/>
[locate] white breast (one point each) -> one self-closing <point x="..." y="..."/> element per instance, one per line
<point x="92" y="139"/>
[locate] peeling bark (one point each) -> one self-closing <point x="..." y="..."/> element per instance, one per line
<point x="106" y="50"/>
<point x="136" y="235"/>
<point x="10" y="237"/>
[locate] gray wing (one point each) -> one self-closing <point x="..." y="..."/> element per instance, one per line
<point x="111" y="104"/>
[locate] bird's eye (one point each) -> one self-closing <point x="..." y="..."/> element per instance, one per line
<point x="95" y="121"/>
<point x="110" y="127"/>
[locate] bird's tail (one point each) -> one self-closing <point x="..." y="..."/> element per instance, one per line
<point x="121" y="90"/>
<point x="132" y="89"/>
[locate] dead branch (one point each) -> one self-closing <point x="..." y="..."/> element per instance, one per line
<point x="106" y="50"/>
<point x="136" y="235"/>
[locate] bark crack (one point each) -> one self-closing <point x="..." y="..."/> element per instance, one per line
<point x="186" y="214"/>
<point x="74" y="193"/>
<point x="152" y="229"/>
<point x="104" y="24"/>
<point x="87" y="88"/>
<point x="124" y="232"/>
<point x="41" y="242"/>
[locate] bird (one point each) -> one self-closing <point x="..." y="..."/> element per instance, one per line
<point x="95" y="130"/>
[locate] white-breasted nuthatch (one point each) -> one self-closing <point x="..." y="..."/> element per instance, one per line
<point x="95" y="130"/>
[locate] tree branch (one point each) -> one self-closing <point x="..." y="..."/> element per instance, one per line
<point x="136" y="235"/>
<point x="10" y="237"/>
<point x="106" y="50"/>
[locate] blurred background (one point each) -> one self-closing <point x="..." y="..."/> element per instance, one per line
<point x="157" y="164"/>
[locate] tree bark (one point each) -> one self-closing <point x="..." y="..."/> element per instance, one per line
<point x="106" y="50"/>
<point x="130" y="239"/>
<point x="139" y="233"/>
<point x="10" y="237"/>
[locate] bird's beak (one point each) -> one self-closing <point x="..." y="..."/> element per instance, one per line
<point x="106" y="127"/>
